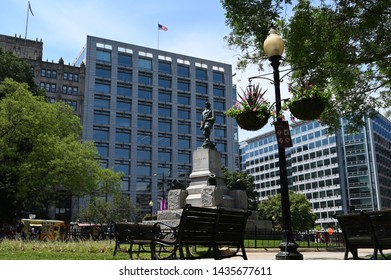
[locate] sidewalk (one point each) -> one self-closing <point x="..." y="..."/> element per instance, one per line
<point x="308" y="254"/>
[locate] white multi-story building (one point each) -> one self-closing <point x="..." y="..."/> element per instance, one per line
<point x="338" y="173"/>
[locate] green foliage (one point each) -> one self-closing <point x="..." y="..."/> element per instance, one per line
<point x="301" y="212"/>
<point x="18" y="70"/>
<point x="247" y="181"/>
<point x="41" y="152"/>
<point x="101" y="211"/>
<point x="343" y="44"/>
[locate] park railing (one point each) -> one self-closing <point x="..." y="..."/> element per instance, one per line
<point x="272" y="239"/>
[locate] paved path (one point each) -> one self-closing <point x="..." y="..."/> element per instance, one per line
<point x="308" y="254"/>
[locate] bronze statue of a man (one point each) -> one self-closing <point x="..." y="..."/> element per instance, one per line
<point x="207" y="122"/>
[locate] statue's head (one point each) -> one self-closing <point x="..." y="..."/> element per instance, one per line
<point x="207" y="104"/>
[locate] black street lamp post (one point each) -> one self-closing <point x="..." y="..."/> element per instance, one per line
<point x="274" y="47"/>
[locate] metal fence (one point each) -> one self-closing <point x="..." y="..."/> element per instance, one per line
<point x="272" y="239"/>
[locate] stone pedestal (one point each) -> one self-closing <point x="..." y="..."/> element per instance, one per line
<point x="207" y="188"/>
<point x="177" y="199"/>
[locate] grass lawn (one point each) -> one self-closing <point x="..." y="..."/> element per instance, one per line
<point x="40" y="250"/>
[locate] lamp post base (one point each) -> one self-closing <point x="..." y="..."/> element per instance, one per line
<point x="289" y="251"/>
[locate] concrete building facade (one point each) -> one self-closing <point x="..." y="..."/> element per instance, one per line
<point x="337" y="173"/>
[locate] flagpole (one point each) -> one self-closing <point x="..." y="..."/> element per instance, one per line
<point x="158" y="29"/>
<point x="27" y="21"/>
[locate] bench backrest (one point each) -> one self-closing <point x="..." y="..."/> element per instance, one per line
<point x="381" y="224"/>
<point x="197" y="224"/>
<point x="356" y="229"/>
<point x="125" y="232"/>
<point x="231" y="225"/>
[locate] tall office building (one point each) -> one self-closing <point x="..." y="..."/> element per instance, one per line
<point x="143" y="106"/>
<point x="337" y="173"/>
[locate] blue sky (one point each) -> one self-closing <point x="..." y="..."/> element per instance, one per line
<point x="195" y="27"/>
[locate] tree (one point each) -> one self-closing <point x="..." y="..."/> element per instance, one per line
<point x="301" y="212"/>
<point x="41" y="153"/>
<point x="18" y="70"/>
<point x="100" y="211"/>
<point x="343" y="45"/>
<point x="231" y="178"/>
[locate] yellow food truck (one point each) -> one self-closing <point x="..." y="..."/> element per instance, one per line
<point x="37" y="229"/>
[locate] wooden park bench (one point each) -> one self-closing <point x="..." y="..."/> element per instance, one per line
<point x="366" y="230"/>
<point x="206" y="228"/>
<point x="133" y="234"/>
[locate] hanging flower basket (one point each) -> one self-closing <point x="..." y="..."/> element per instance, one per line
<point x="252" y="120"/>
<point x="307" y="108"/>
<point x="251" y="111"/>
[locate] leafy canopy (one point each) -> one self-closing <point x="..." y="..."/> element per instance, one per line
<point x="342" y="44"/>
<point x="301" y="212"/>
<point x="41" y="152"/>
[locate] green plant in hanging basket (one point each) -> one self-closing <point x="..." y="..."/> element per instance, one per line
<point x="308" y="101"/>
<point x="251" y="111"/>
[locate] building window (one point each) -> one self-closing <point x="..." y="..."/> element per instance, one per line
<point x="103" y="56"/>
<point x="219" y="91"/>
<point x="144" y="63"/>
<point x="201" y="88"/>
<point x="100" y="133"/>
<point x="164" y="155"/>
<point x="164" y="96"/>
<point x="144" y="123"/>
<point x="164" y="111"/>
<point x="183" y="71"/>
<point x="145" y="78"/>
<point x="144" y="138"/>
<point x="123" y="120"/>
<point x="122" y="151"/>
<point x="144" y="153"/>
<point x="102" y="72"/>
<point x="164" y="82"/>
<point x="143" y="169"/>
<point x="218" y="77"/>
<point x="184" y="157"/>
<point x="184" y="85"/>
<point x="103" y="149"/>
<point x="200" y="102"/>
<point x="144" y="108"/>
<point x="122" y="135"/>
<point x="184" y="127"/>
<point x="124" y="105"/>
<point x="184" y="142"/>
<point x="164" y="125"/>
<point x="122" y="166"/>
<point x="184" y="113"/>
<point x="102" y="87"/>
<point x="201" y="74"/>
<point x="164" y="67"/>
<point x="124" y="60"/>
<point x="145" y="93"/>
<point x="220" y="132"/>
<point x="102" y="102"/>
<point x="184" y="99"/>
<point x="219" y="105"/>
<point x="164" y="140"/>
<point x="124" y="76"/>
<point x="101" y="117"/>
<point x="124" y="90"/>
<point x="43" y="72"/>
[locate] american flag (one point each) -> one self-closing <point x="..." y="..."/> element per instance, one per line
<point x="162" y="27"/>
